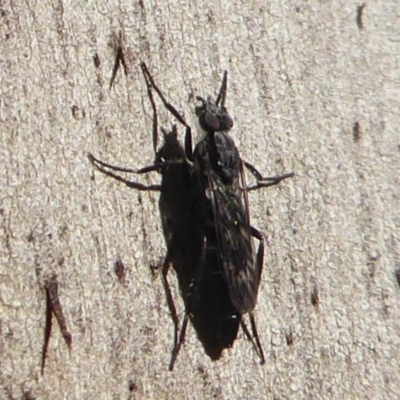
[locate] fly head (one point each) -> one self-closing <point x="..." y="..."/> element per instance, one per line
<point x="212" y="117"/>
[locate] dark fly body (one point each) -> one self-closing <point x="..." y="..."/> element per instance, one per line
<point x="224" y="210"/>
<point x="219" y="171"/>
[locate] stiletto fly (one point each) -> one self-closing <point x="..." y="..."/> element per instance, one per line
<point x="223" y="207"/>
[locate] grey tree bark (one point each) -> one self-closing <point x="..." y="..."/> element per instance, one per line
<point x="310" y="91"/>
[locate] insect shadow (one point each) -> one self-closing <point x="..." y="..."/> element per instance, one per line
<point x="230" y="260"/>
<point x="202" y="287"/>
<point x="53" y="307"/>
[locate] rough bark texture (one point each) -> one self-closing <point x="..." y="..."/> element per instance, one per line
<point x="310" y="90"/>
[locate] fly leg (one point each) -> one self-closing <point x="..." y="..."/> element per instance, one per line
<point x="264" y="181"/>
<point x="178" y="345"/>
<point x="258" y="267"/>
<point x="188" y="136"/>
<point x="255" y="340"/>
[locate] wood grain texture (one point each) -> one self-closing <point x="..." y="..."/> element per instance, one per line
<point x="301" y="75"/>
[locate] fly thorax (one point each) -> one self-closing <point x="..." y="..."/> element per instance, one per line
<point x="228" y="158"/>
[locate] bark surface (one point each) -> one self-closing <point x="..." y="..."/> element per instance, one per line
<point x="311" y="90"/>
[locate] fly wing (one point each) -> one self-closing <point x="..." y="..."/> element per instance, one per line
<point x="235" y="246"/>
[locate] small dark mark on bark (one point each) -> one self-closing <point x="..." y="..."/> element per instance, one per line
<point x="397" y="275"/>
<point x="210" y="17"/>
<point x="96" y="60"/>
<point x="30" y="238"/>
<point x="132" y="386"/>
<point x="289" y="337"/>
<point x="356" y="132"/>
<point x="155" y="268"/>
<point x="77" y="112"/>
<point x="315" y="297"/>
<point x="119" y="270"/>
<point x="201" y="369"/>
<point x="359" y="16"/>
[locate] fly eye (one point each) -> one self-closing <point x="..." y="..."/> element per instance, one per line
<point x="226" y="120"/>
<point x="212" y="121"/>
